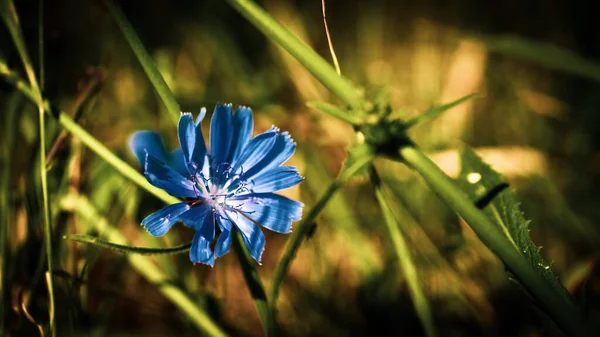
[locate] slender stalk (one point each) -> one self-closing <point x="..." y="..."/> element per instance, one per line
<point x="42" y="72"/>
<point x="126" y="249"/>
<point x="562" y="312"/>
<point x="404" y="258"/>
<point x="48" y="226"/>
<point x="11" y="20"/>
<point x="254" y="285"/>
<point x="146" y="60"/>
<point x="145" y="266"/>
<point x="313" y="62"/>
<point x="304" y="225"/>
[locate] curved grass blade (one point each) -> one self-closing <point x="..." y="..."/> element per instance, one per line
<point x="313" y="62"/>
<point x="96" y="241"/>
<point x="404" y="258"/>
<point x="144" y="265"/>
<point x="362" y="156"/>
<point x="435" y="111"/>
<point x="158" y="82"/>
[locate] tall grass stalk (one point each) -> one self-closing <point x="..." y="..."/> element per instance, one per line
<point x="11" y="19"/>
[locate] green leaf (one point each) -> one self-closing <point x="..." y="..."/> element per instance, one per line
<point x="477" y="178"/>
<point x="125" y="249"/>
<point x="435" y="111"/>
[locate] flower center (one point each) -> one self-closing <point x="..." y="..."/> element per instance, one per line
<point x="219" y="185"/>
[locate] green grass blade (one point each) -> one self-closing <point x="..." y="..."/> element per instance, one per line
<point x="254" y="285"/>
<point x="128" y="249"/>
<point x="158" y="82"/>
<point x="564" y="313"/>
<point x="11" y="19"/>
<point x="313" y="62"/>
<point x="404" y="258"/>
<point x="145" y="266"/>
<point x="41" y="60"/>
<point x="435" y="111"/>
<point x="353" y="164"/>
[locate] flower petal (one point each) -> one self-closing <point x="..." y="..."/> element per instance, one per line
<point x="220" y="133"/>
<point x="200" y="251"/>
<point x="281" y="151"/>
<point x="271" y="210"/>
<point x="258" y="147"/>
<point x="162" y="176"/>
<point x="253" y="236"/>
<point x="192" y="142"/>
<point x="177" y="162"/>
<point x="224" y="242"/>
<point x="147" y="141"/>
<point x="159" y="222"/>
<point x="274" y="180"/>
<point x="242" y="130"/>
<point x="201" y="116"/>
<point x="194" y="217"/>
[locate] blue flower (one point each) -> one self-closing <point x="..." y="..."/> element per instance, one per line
<point x="230" y="185"/>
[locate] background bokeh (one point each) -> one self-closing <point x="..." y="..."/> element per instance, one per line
<point x="535" y="121"/>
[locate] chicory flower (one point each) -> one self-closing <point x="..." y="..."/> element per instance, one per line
<point x="229" y="186"/>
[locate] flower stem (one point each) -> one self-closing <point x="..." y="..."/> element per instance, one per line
<point x="304" y="225"/>
<point x="562" y="312"/>
<point x="254" y="285"/>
